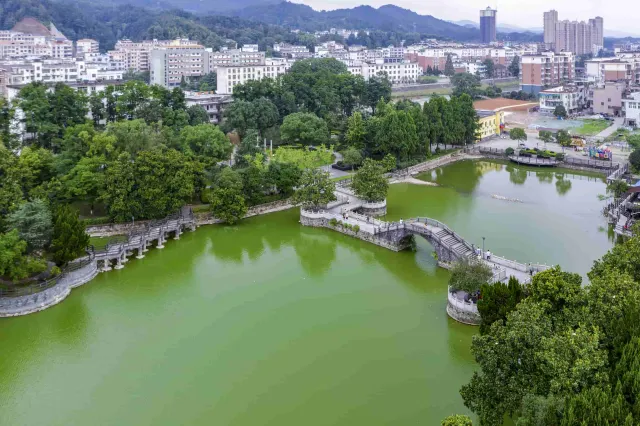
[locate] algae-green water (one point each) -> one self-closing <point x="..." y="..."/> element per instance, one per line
<point x="271" y="323"/>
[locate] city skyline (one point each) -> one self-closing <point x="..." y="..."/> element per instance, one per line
<point x="524" y="14"/>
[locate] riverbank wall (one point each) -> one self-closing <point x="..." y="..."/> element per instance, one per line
<point x="203" y="218"/>
<point x="31" y="303"/>
<point x="321" y="220"/>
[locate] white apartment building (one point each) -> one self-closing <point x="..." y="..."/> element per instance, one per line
<point x="401" y="72"/>
<point x="231" y="76"/>
<point x="234" y="57"/>
<point x="136" y="55"/>
<point x="211" y="102"/>
<point x="291" y="51"/>
<point x="87" y="45"/>
<point x="631" y="108"/>
<point x="20" y="73"/>
<point x="573" y="99"/>
<point x="169" y="64"/>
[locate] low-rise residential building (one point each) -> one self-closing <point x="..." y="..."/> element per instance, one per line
<point x="490" y="124"/>
<point x="607" y="99"/>
<point x="572" y="98"/>
<point x="546" y="69"/>
<point x="136" y="55"/>
<point x="211" y="102"/>
<point x="87" y="45"/>
<point x="287" y="50"/>
<point x="398" y="72"/>
<point x="631" y="108"/>
<point x="22" y="72"/>
<point x="234" y="57"/>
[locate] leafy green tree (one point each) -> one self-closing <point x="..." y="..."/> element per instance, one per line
<point x="634" y="159"/>
<point x="36" y="167"/>
<point x="466" y="117"/>
<point x="248" y="148"/>
<point x="68" y="107"/>
<point x="518" y="134"/>
<point x="164" y="180"/>
<point x="369" y="182"/>
<point x="397" y="135"/>
<point x="197" y="115"/>
<point x="284" y="176"/>
<point x="33" y="223"/>
<point x="86" y="181"/>
<point x="465" y="83"/>
<point x="352" y="157"/>
<point x="563" y="138"/>
<point x="617" y="188"/>
<point x="304" y="128"/>
<point x="545" y="136"/>
<point x="597" y="406"/>
<point x="449" y="70"/>
<point x="560" y="111"/>
<point x="10" y="189"/>
<point x="69" y="237"/>
<point x="377" y="87"/>
<point x="497" y="300"/>
<point x="37" y="113"/>
<point x="119" y="190"/>
<point x="227" y="204"/>
<point x="539" y="410"/>
<point x="133" y="94"/>
<point x="315" y="189"/>
<point x="8" y="136"/>
<point x="514" y="66"/>
<point x="457" y="420"/>
<point x="253" y="184"/>
<point x="356" y="131"/>
<point x="206" y="142"/>
<point x="259" y="114"/>
<point x="469" y="275"/>
<point x="14" y="264"/>
<point x="389" y="163"/>
<point x="490" y="67"/>
<point x="133" y="136"/>
<point x="97" y="108"/>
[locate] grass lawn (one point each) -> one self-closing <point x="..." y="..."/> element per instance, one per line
<point x="591" y="127"/>
<point x="421" y="92"/>
<point x="101" y="242"/>
<point x="339" y="178"/>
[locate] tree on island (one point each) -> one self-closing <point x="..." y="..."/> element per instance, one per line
<point x="315" y="189"/>
<point x="560" y="111"/>
<point x="469" y="275"/>
<point x="352" y="157"/>
<point x="518" y="134"/>
<point x="369" y="182"/>
<point x="497" y="300"/>
<point x="69" y="237"/>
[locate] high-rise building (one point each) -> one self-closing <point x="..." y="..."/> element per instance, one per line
<point x="550" y="20"/>
<point x="580" y="38"/>
<point x="488" y="25"/>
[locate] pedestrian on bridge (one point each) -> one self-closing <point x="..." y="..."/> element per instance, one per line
<point x="488" y="254"/>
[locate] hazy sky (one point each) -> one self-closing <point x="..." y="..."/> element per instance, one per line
<point x="522" y="13"/>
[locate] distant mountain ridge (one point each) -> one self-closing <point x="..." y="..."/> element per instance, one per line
<point x="385" y="18"/>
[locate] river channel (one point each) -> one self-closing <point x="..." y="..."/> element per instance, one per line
<point x="270" y="323"/>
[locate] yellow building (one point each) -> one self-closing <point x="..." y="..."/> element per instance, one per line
<point x="490" y="123"/>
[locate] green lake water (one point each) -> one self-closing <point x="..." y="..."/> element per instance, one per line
<point x="271" y="323"/>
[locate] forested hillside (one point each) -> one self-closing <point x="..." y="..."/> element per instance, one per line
<point x="385" y="18"/>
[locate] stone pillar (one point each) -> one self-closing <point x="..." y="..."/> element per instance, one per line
<point x="141" y="250"/>
<point x="106" y="265"/>
<point x="161" y="240"/>
<point x="177" y="237"/>
<point x="119" y="264"/>
<point x="123" y="258"/>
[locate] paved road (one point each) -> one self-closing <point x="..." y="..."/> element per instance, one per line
<point x="617" y="122"/>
